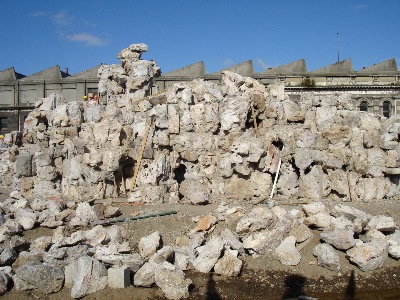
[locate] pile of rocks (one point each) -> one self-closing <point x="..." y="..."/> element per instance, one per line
<point x="197" y="142"/>
<point x="200" y="141"/>
<point x="87" y="258"/>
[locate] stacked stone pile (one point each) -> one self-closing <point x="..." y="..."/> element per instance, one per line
<point x="196" y="142"/>
<point x="204" y="141"/>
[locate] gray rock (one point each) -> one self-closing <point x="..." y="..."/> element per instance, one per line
<point x="301" y="232"/>
<point x="149" y="245"/>
<point x="313" y="208"/>
<point x="171" y="281"/>
<point x="46" y="279"/>
<point x="340" y="238"/>
<point x="349" y="212"/>
<point x="90" y="277"/>
<point x="231" y="239"/>
<point x="166" y="253"/>
<point x="229" y="264"/>
<point x="209" y="255"/>
<point x="23" y="165"/>
<point x="320" y="220"/>
<point x="84" y="214"/>
<point x="257" y="219"/>
<point x="145" y="275"/>
<point x="8" y="256"/>
<point x="4" y="281"/>
<point x="41" y="243"/>
<point x="368" y="256"/>
<point x="287" y="252"/>
<point x="381" y="223"/>
<point x="394" y="251"/>
<point x="181" y="261"/>
<point x="327" y="257"/>
<point x="194" y="191"/>
<point x="26" y="217"/>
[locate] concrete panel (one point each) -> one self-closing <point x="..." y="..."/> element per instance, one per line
<point x="28" y="97"/>
<point x="386" y="67"/>
<point x="193" y="70"/>
<point x="69" y="95"/>
<point x="52" y="73"/>
<point x="245" y="69"/>
<point x="7" y="97"/>
<point x="89" y="73"/>
<point x="293" y="68"/>
<point x="344" y="67"/>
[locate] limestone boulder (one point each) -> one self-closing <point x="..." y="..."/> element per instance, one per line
<point x="340" y="238"/>
<point x="287" y="253"/>
<point x="149" y="245"/>
<point x="46" y="279"/>
<point x="208" y="255"/>
<point x="90" y="276"/>
<point x="229" y="264"/>
<point x="327" y="257"/>
<point x="173" y="282"/>
<point x="368" y="256"/>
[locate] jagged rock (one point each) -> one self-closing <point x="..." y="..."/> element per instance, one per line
<point x="394" y="251"/>
<point x="205" y="223"/>
<point x="145" y="275"/>
<point x="208" y="255"/>
<point x="327" y="257"/>
<point x="84" y="214"/>
<point x="287" y="252"/>
<point x="229" y="264"/>
<point x="381" y="223"/>
<point x="26" y="217"/>
<point x="8" y="256"/>
<point x="301" y="232"/>
<point x="4" y="281"/>
<point x="171" y="281"/>
<point x="348" y="212"/>
<point x="111" y="211"/>
<point x="46" y="279"/>
<point x="320" y="220"/>
<point x="148" y="245"/>
<point x="257" y="219"/>
<point x="231" y="239"/>
<point x="195" y="192"/>
<point x="166" y="253"/>
<point x="314" y="208"/>
<point x="340" y="238"/>
<point x="181" y="261"/>
<point x="90" y="277"/>
<point x="368" y="256"/>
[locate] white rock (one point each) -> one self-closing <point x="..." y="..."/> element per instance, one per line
<point x="287" y="252"/>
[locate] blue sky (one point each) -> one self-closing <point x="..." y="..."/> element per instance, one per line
<point x="78" y="35"/>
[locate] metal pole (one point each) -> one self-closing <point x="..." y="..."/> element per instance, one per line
<point x="338" y="51"/>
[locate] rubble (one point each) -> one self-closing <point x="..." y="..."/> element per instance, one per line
<point x="196" y="143"/>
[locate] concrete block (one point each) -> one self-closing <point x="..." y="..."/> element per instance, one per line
<point x="119" y="277"/>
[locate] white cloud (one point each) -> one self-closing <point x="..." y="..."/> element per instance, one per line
<point x="62" y="18"/>
<point x="87" y="39"/>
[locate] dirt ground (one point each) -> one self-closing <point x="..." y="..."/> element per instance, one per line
<point x="262" y="277"/>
